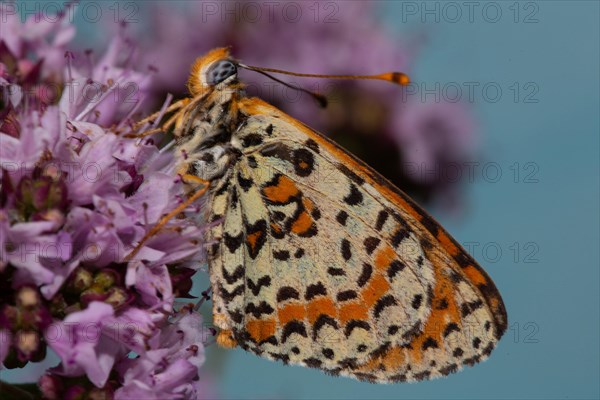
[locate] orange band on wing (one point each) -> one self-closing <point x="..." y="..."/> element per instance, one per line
<point x="260" y="330"/>
<point x="290" y="312"/>
<point x="282" y="192"/>
<point x="302" y="223"/>
<point x="321" y="305"/>
<point x="384" y="258"/>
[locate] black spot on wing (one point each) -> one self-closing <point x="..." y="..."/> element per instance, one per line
<point x="245" y="183"/>
<point x="303" y="161"/>
<point x="468" y="308"/>
<point x="292" y="327"/>
<point x="278" y="356"/>
<point x="251" y="140"/>
<point x="228" y="296"/>
<point x="269" y="129"/>
<point x="262" y="308"/>
<point x="312" y="362"/>
<point x="336" y="271"/>
<point x="345" y="249"/>
<point x="233" y="199"/>
<point x="399" y="236"/>
<point x="442" y="304"/>
<point x="381" y="218"/>
<point x="236" y="316"/>
<point x="233" y="242"/>
<point x="252" y="162"/>
<point x="349" y="363"/>
<point x="281" y="255"/>
<point x="488" y="349"/>
<point x="430" y="224"/>
<point x="382" y="303"/>
<point x="287" y="292"/>
<point x="395" y="267"/>
<point x="234" y="276"/>
<point x="347" y="295"/>
<point x="449" y="369"/>
<point x="328" y="353"/>
<point x="371" y="244"/>
<point x="362" y="376"/>
<point x="365" y="275"/>
<point x="422" y="375"/>
<point x="256" y="287"/>
<point x="458" y="352"/>
<point x="278" y="216"/>
<point x="277" y="150"/>
<point x="472" y="361"/>
<point x="429" y="343"/>
<point x="311" y="144"/>
<point x="381" y="350"/>
<point x="417" y="301"/>
<point x="350" y="174"/>
<point x="321" y="322"/>
<point x="354" y="324"/>
<point x="355" y="196"/>
<point x="398" y="378"/>
<point x="341" y="217"/>
<point x="412" y="332"/>
<point x="314" y="290"/>
<point x="258" y="233"/>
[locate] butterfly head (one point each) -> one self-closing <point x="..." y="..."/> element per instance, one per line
<point x="214" y="68"/>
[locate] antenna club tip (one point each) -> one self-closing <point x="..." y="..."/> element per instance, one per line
<point x="400" y="78"/>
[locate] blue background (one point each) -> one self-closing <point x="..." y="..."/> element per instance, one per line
<point x="550" y="210"/>
<point x="551" y="349"/>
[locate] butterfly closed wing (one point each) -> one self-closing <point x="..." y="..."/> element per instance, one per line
<point x="318" y="260"/>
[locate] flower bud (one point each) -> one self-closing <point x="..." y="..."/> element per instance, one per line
<point x="27" y="343"/>
<point x="27" y="297"/>
<point x="50" y="386"/>
<point x="53" y="215"/>
<point x="93" y="293"/>
<point x="75" y="392"/>
<point x="117" y="297"/>
<point x="8" y="317"/>
<point x="106" y="278"/>
<point x="105" y="393"/>
<point x="81" y="280"/>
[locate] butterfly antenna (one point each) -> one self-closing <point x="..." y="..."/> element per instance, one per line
<point x="322" y="100"/>
<point x="398" y="78"/>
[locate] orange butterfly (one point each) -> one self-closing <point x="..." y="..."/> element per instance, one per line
<point x="319" y="260"/>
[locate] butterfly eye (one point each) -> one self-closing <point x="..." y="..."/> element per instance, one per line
<point x="220" y="71"/>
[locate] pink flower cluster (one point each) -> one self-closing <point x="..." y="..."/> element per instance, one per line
<point x="77" y="197"/>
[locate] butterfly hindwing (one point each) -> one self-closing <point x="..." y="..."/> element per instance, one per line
<point x="336" y="273"/>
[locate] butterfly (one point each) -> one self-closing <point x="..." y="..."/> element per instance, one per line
<point x="316" y="259"/>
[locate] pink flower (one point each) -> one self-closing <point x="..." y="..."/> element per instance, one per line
<point x="80" y="344"/>
<point x="47" y="37"/>
<point x="77" y="199"/>
<point x="169" y="368"/>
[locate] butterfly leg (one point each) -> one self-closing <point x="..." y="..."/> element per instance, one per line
<point x="164" y="220"/>
<point x="175" y="106"/>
